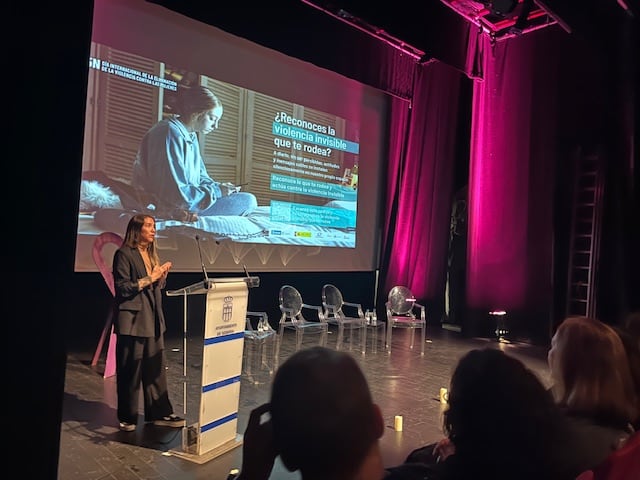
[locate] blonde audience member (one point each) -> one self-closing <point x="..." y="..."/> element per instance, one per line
<point x="592" y="382"/>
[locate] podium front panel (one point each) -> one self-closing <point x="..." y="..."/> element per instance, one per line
<point x="220" y="359"/>
<point x="225" y="319"/>
<point x="219" y="416"/>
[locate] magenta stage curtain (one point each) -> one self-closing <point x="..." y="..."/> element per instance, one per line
<point x="511" y="185"/>
<point x="419" y="197"/>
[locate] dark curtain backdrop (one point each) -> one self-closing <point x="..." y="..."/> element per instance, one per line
<point x="400" y="119"/>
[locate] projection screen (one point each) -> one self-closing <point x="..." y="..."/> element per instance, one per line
<point x="308" y="143"/>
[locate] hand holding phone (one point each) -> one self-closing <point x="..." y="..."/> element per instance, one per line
<point x="258" y="449"/>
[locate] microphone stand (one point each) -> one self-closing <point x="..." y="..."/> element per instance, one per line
<point x="185" y="332"/>
<point x="204" y="269"/>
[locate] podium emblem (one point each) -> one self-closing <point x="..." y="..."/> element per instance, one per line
<point x="227" y="308"/>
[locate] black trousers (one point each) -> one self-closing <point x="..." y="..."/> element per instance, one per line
<point x="140" y="363"/>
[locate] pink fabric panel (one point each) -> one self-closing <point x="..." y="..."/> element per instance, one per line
<point x="511" y="180"/>
<point x="423" y="192"/>
<point x="107" y="273"/>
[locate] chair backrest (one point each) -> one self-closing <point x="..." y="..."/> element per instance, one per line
<point x="290" y="301"/>
<point x="401" y="300"/>
<point x="332" y="298"/>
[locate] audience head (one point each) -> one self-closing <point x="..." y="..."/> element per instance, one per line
<point x="324" y="420"/>
<point x="501" y="418"/>
<point x="591" y="373"/>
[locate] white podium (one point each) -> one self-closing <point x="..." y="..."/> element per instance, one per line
<point x="215" y="431"/>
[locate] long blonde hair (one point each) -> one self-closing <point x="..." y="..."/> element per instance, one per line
<point x="591" y="371"/>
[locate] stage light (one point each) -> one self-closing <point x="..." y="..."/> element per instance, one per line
<point x="500" y="319"/>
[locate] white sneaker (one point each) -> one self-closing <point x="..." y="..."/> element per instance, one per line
<point x="127" y="427"/>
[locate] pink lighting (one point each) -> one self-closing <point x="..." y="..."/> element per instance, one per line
<point x="423" y="193"/>
<point x="509" y="250"/>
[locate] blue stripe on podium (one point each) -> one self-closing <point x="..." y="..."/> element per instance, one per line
<point x="217" y="423"/>
<point x="220" y="384"/>
<point x="223" y="338"/>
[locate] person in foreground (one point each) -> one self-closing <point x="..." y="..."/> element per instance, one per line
<point x="591" y="387"/>
<point x="593" y="384"/>
<point x="323" y="422"/>
<point x="169" y="167"/>
<point x="139" y="278"/>
<point x="501" y="423"/>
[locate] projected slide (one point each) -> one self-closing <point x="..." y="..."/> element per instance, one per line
<point x="285" y="156"/>
<point x="303" y="164"/>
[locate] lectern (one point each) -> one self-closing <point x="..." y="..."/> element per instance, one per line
<point x="215" y="431"/>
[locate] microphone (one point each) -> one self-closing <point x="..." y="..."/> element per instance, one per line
<point x="204" y="270"/>
<point x="250" y="281"/>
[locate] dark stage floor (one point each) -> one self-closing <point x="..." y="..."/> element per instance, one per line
<point x="403" y="383"/>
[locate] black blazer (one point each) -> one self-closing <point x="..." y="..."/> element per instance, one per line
<point x="137" y="312"/>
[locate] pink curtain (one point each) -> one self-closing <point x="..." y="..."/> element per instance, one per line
<point x="420" y="186"/>
<point x="511" y="182"/>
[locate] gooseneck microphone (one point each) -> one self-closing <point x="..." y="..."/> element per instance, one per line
<point x="204" y="270"/>
<point x="250" y="281"/>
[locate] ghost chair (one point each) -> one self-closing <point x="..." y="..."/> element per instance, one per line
<point x="334" y="307"/>
<point x="403" y="311"/>
<point x="293" y="317"/>
<point x="260" y="346"/>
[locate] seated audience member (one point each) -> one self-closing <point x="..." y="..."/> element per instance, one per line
<point x="502" y="422"/>
<point x="592" y="382"/>
<point x="323" y="422"/>
<point x="592" y="385"/>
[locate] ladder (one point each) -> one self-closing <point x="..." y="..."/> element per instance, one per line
<point x="584" y="246"/>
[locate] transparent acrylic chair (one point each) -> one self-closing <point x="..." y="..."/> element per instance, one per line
<point x="334" y="312"/>
<point x="404" y="312"/>
<point x="260" y="347"/>
<point x="292" y="308"/>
